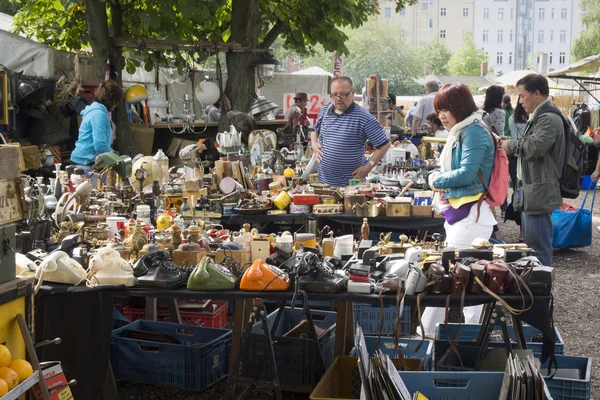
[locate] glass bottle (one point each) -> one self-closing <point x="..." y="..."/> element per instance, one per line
<point x="160" y="167"/>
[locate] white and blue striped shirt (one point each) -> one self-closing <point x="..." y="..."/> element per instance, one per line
<point x="343" y="139"/>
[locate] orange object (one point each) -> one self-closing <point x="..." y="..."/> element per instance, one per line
<point x="9" y="376"/>
<point x="3" y="387"/>
<point x="261" y="276"/>
<point x="22" y="368"/>
<point x="5" y="356"/>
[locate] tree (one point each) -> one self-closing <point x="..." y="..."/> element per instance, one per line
<point x="588" y="43"/>
<point x="436" y="56"/>
<point x="466" y="61"/>
<point x="254" y="24"/>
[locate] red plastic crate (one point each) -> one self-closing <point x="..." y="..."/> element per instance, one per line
<point x="217" y="319"/>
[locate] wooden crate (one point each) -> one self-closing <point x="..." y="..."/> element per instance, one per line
<point x="12" y="201"/>
<point x="421" y="211"/>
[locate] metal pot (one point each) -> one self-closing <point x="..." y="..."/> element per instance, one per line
<point x="99" y="232"/>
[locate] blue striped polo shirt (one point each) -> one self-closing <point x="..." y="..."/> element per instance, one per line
<point x="343" y="139"/>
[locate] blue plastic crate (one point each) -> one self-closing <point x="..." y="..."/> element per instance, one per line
<point x="369" y="318"/>
<point x="386" y="345"/>
<point x="454" y="385"/>
<point x="470" y="332"/>
<point x="199" y="362"/>
<point x="296" y="358"/>
<point x="119" y="319"/>
<point x="325" y="305"/>
<point x="567" y="388"/>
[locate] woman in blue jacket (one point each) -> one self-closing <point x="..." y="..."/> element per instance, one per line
<point x="469" y="150"/>
<point x="95" y="131"/>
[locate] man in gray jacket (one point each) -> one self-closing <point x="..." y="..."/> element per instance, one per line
<point x="540" y="155"/>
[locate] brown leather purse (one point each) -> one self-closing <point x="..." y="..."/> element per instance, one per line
<point x="497" y="277"/>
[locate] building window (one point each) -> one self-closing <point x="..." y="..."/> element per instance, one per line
<point x="501" y="13"/>
<point x="510" y="58"/>
<point x="563" y="13"/>
<point x="486" y="35"/>
<point x="510" y="35"/>
<point x="487" y="57"/>
<point x="423" y="6"/>
<point x="512" y="13"/>
<point x="499" y="58"/>
<point x="540" y="36"/>
<point x="561" y="58"/>
<point x="552" y="14"/>
<point x="443" y="11"/>
<point x="430" y="23"/>
<point x="551" y="36"/>
<point x="442" y="34"/>
<point x="542" y="13"/>
<point x="500" y="35"/>
<point x="550" y="59"/>
<point x="465" y="12"/>
<point x="402" y="13"/>
<point x="486" y="13"/>
<point x="563" y="36"/>
<point x="388" y="12"/>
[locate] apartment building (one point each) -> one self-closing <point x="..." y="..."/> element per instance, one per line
<point x="515" y="34"/>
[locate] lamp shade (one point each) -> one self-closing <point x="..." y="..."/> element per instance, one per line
<point x="135" y="94"/>
<point x="207" y="92"/>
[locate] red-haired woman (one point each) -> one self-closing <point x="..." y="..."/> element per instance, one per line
<point x="466" y="160"/>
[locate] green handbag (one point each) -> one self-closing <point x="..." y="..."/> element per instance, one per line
<point x="210" y="276"/>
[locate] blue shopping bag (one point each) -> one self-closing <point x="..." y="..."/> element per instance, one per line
<point x="573" y="228"/>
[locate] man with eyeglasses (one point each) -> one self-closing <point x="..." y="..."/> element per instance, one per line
<point x="341" y="132"/>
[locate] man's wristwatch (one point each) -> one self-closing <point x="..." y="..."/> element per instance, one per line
<point x="371" y="163"/>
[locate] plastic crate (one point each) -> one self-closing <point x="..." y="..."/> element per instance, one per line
<point x="119" y="320"/>
<point x="454" y="385"/>
<point x="199" y="362"/>
<point x="470" y="332"/>
<point x="216" y="319"/>
<point x="369" y="318"/>
<point x="386" y="345"/>
<point x="296" y="358"/>
<point x="567" y="388"/>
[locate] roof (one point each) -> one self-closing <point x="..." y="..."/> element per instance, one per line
<point x="312" y="71"/>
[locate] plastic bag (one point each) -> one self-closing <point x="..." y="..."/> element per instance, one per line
<point x="573" y="228"/>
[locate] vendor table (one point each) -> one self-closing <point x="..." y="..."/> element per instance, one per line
<point x="398" y="224"/>
<point x="84" y="315"/>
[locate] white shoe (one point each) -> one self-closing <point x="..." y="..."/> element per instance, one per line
<point x="108" y="268"/>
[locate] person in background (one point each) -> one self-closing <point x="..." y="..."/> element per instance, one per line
<point x="397" y="112"/>
<point x="95" y="132"/>
<point x="493" y="106"/>
<point x="508" y="110"/>
<point x="300" y="102"/>
<point x="213" y="112"/>
<point x="468" y="216"/>
<point x="516" y="123"/>
<point x="341" y="132"/>
<point x="410" y="116"/>
<point x="540" y="155"/>
<point x="437" y="128"/>
<point x="425" y="106"/>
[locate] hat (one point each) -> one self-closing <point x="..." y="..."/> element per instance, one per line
<point x="301" y="96"/>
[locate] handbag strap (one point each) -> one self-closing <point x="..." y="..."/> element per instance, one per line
<point x="586" y="195"/>
<point x="520" y="284"/>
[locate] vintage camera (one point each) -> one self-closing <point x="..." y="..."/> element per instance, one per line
<point x="415" y="281"/>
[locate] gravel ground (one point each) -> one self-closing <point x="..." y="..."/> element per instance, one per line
<point x="575" y="315"/>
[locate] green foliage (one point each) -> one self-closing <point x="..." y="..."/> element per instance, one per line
<point x="466" y="61"/>
<point x="588" y="43"/>
<point x="9" y="7"/>
<point x="436" y="56"/>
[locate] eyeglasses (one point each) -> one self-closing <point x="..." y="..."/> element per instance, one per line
<point x="341" y="95"/>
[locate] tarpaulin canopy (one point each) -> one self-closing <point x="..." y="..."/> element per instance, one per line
<point x="578" y="69"/>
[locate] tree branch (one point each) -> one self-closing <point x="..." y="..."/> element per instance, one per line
<point x="272" y="35"/>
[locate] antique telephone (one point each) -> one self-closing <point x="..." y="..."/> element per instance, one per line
<point x="155" y="269"/>
<point x="316" y="276"/>
<point x="60" y="268"/>
<point x="211" y="276"/>
<point x="261" y="276"/>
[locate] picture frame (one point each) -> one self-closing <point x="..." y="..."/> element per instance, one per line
<point x="3" y="98"/>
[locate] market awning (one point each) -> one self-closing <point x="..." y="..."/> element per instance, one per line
<point x="576" y="70"/>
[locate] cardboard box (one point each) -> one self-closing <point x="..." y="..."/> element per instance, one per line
<point x="21" y="158"/>
<point x="241" y="256"/>
<point x="31" y="155"/>
<point x="12" y="201"/>
<point x="143" y="136"/>
<point x="56" y="382"/>
<point x="421" y="211"/>
<point x="191" y="258"/>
